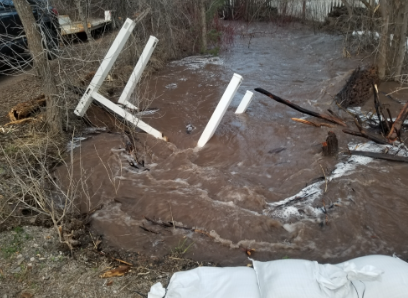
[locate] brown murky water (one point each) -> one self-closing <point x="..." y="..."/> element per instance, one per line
<point x="236" y="186"/>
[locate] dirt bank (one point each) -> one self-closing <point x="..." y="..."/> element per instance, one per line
<point x="34" y="264"/>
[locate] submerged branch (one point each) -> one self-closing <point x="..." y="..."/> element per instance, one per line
<point x="379" y="156"/>
<point x="300" y="109"/>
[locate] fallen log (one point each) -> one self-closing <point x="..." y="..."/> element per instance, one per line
<point x="27" y="109"/>
<point x="379" y="156"/>
<point x="300" y="109"/>
<point x="311" y="123"/>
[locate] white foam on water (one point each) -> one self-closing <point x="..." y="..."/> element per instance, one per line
<point x="290" y="227"/>
<point x="198" y="62"/>
<point x="289" y="208"/>
<point x="368" y="116"/>
<point x="75" y="143"/>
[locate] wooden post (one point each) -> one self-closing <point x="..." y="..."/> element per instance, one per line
<point x="331" y="146"/>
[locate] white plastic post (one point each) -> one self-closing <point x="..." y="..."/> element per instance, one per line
<point x="137" y="72"/>
<point x="245" y="102"/>
<point x="105" y="66"/>
<point x="220" y="110"/>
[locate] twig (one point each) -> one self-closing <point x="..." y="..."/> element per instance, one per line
<point x="123" y="262"/>
<point x="311" y="123"/>
<point x="21" y="121"/>
<point x="148" y="230"/>
<point x="325" y="178"/>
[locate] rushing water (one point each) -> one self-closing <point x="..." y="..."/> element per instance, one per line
<point x="235" y="187"/>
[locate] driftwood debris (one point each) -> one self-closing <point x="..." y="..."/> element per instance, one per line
<point x="170" y="224"/>
<point x="385" y="124"/>
<point x="27" y="109"/>
<point x="358" y="88"/>
<point x="365" y="134"/>
<point x="390" y="130"/>
<point x="330" y="118"/>
<point x="384" y="156"/>
<point x="331" y="146"/>
<point x="395" y="130"/>
<point x="148" y="230"/>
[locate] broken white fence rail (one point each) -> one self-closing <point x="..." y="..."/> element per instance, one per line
<point x="245" y="102"/>
<point x="101" y="74"/>
<point x="220" y="110"/>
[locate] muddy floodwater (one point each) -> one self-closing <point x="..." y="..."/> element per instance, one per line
<point x="261" y="182"/>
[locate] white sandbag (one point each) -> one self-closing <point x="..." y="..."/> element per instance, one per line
<point x="157" y="291"/>
<point x="211" y="282"/>
<point x="371" y="277"/>
<point x="301" y="278"/>
<point x="393" y="283"/>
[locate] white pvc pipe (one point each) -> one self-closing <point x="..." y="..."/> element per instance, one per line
<point x="245" y="102"/>
<point x="137" y="72"/>
<point x="105" y="66"/>
<point x="220" y="110"/>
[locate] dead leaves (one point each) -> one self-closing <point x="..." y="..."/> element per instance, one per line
<point x="120" y="271"/>
<point x="248" y="251"/>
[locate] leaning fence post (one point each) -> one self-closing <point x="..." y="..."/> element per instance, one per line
<point x="105" y="66"/>
<point x="103" y="70"/>
<point x="220" y="110"/>
<point x="137" y="72"/>
<point x="245" y="102"/>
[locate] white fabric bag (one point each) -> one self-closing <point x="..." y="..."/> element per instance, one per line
<point x="298" y="279"/>
<point x="370" y="277"/>
<point x="307" y="279"/>
<point x="393" y="283"/>
<point x="212" y="282"/>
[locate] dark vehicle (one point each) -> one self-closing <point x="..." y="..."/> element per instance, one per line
<point x="13" y="42"/>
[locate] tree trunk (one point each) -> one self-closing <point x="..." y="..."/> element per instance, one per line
<point x="384" y="38"/>
<point x="41" y="63"/>
<point x="349" y="7"/>
<point x="84" y="19"/>
<point x="204" y="46"/>
<point x="401" y="50"/>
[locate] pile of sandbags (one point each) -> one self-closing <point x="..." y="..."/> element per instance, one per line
<point x="373" y="276"/>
